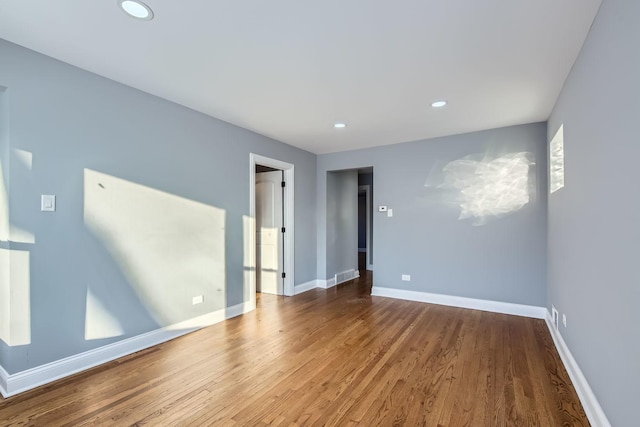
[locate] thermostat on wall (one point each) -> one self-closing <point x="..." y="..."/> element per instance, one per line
<point x="382" y="208"/>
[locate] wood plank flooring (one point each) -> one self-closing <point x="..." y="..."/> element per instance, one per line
<point x="336" y="357"/>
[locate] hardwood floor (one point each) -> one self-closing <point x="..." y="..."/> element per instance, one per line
<point x="326" y="357"/>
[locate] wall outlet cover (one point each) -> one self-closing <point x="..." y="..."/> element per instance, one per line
<point x="48" y="203"/>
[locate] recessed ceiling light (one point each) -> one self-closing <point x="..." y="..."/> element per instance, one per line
<point x="136" y="9"/>
<point x="438" y="104"/>
<point x="340" y="125"/>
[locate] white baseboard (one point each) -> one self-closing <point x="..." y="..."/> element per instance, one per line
<point x="462" y="302"/>
<point x="304" y="287"/>
<point x="12" y="384"/>
<point x="326" y="284"/>
<point x="592" y="407"/>
<point x="4" y="379"/>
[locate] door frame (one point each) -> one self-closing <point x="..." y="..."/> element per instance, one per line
<point x="288" y="239"/>
<point x="367" y="193"/>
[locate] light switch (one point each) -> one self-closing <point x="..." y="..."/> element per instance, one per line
<point x="48" y="203"/>
<point x="390" y="213"/>
<point x="382" y="208"/>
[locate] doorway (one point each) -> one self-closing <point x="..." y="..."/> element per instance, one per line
<point x="285" y="251"/>
<point x="270" y="230"/>
<point x="365" y="219"/>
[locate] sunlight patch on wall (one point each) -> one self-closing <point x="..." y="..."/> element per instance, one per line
<point x="5" y="297"/>
<point x="20" y="235"/>
<point x="99" y="322"/>
<point x="15" y="317"/>
<point x="5" y="230"/>
<point x="249" y="251"/>
<point x="487" y="187"/>
<point x="556" y="161"/>
<point x="169" y="248"/>
<point x="268" y="259"/>
<point x="4" y="161"/>
<point x="24" y="157"/>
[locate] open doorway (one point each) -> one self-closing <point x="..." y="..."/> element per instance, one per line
<point x="270" y="230"/>
<point x="365" y="219"/>
<point x="279" y="255"/>
<point x="363" y="222"/>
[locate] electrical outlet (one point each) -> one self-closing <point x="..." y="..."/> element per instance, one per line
<point x="564" y="320"/>
<point x="554" y="316"/>
<point x="198" y="300"/>
<point x="406" y="277"/>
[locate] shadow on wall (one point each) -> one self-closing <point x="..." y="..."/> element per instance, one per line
<point x="170" y="249"/>
<point x="484" y="186"/>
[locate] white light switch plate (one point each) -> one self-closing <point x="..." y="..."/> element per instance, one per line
<point x="47" y="203"/>
<point x="390" y="213"/>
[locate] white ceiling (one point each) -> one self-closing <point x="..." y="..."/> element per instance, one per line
<point x="289" y="69"/>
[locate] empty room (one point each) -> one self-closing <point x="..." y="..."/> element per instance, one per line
<point x="332" y="213"/>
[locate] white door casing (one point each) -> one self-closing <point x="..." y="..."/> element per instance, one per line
<point x="269" y="239"/>
<point x="289" y="252"/>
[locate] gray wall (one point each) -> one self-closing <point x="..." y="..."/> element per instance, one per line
<point x="4" y="214"/>
<point x="501" y="258"/>
<point x="142" y="149"/>
<point x="342" y="222"/>
<point x="594" y="237"/>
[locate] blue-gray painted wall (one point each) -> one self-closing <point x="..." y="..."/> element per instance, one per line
<point x="594" y="226"/>
<point x="4" y="170"/>
<point x="503" y="259"/>
<point x="72" y="120"/>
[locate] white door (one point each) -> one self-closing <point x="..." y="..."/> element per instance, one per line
<point x="269" y="240"/>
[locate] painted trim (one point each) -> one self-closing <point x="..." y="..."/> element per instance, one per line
<point x="289" y="216"/>
<point x="326" y="284"/>
<point x="12" y="384"/>
<point x="462" y="302"/>
<point x="4" y="380"/>
<point x="590" y="403"/>
<point x="304" y="287"/>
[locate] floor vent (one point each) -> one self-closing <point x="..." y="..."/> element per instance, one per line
<point x="345" y="276"/>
